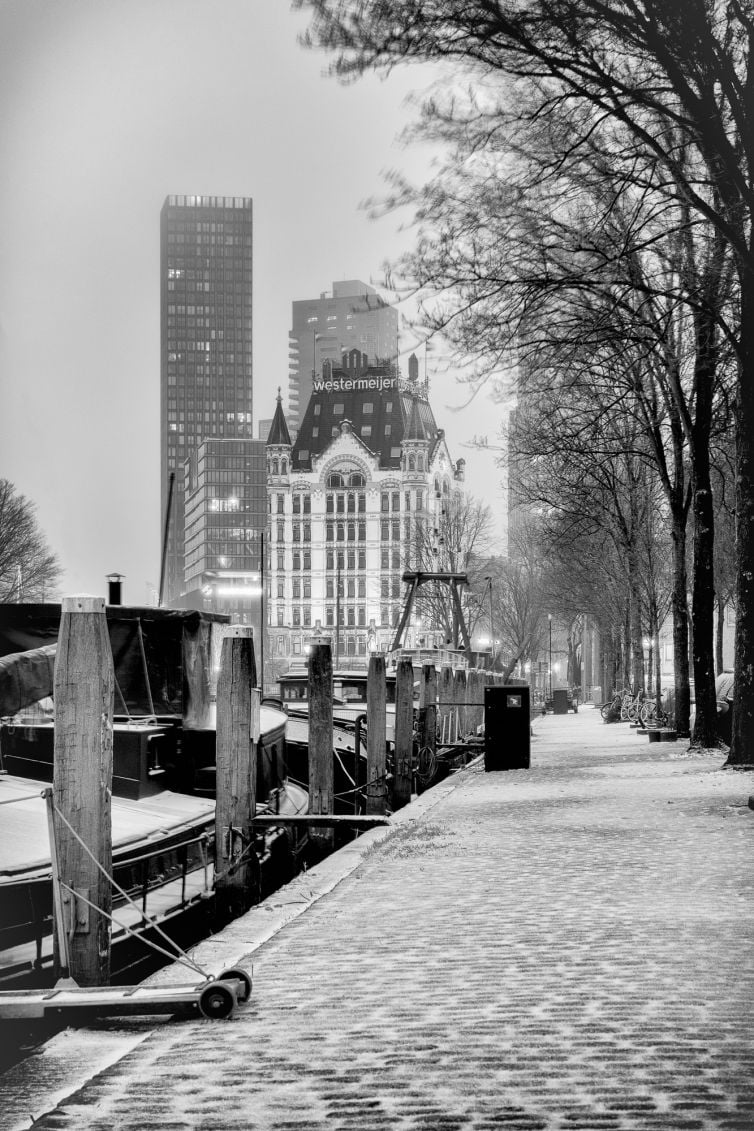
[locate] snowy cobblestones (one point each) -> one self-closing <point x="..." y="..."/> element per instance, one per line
<point x="568" y="947"/>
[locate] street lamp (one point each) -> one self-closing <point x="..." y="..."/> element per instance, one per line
<point x="492" y="630"/>
<point x="549" y="617"/>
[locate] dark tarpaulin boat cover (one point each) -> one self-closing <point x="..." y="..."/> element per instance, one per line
<point x="25" y="678"/>
<point x="162" y="657"/>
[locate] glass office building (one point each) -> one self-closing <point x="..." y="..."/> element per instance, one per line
<point x="206" y="348"/>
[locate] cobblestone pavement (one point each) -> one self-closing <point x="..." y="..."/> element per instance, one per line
<point x="568" y="946"/>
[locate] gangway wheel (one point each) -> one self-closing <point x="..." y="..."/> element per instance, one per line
<point x="237" y="974"/>
<point x="216" y="1000"/>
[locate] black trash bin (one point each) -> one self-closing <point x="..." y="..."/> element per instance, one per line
<point x="507" y="728"/>
<point x="560" y="702"/>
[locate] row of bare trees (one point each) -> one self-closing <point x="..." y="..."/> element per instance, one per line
<point x="591" y="232"/>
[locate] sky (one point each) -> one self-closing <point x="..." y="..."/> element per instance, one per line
<point x="106" y="107"/>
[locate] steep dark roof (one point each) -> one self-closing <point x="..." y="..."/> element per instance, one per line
<point x="379" y="407"/>
<point x="279" y="433"/>
<point x="414" y="426"/>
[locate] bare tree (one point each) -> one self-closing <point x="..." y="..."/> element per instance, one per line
<point x="29" y="571"/>
<point x="653" y="70"/>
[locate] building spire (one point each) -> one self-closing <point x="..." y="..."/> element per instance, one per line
<point x="279" y="434"/>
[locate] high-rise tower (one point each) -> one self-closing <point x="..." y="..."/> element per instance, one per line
<point x="352" y="316"/>
<point x="206" y="339"/>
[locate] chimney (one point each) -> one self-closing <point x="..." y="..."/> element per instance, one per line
<point x="114" y="588"/>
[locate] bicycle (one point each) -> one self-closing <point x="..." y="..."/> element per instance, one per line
<point x="615" y="706"/>
<point x="652" y="714"/>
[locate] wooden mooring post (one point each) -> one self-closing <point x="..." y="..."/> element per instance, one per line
<point x="82" y="781"/>
<point x="236" y="862"/>
<point x="321" y="769"/>
<point x="376" y="737"/>
<point x="427" y="724"/>
<point x="404" y="733"/>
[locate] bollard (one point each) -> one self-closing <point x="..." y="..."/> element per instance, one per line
<point x="427" y="725"/>
<point x="376" y="737"/>
<point x="321" y="799"/>
<point x="236" y="862"/>
<point x="82" y="780"/>
<point x="404" y="733"/>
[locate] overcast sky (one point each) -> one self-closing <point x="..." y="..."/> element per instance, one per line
<point x="106" y="107"/>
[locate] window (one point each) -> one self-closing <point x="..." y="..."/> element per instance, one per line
<point x="307" y="616"/>
<point x="329" y="615"/>
<point x="396" y="529"/>
<point x="356" y="479"/>
<point x="384" y="530"/>
<point x="297" y="532"/>
<point x="362" y="587"/>
<point x="296" y="615"/>
<point x="307" y="532"/>
<point x="281" y="559"/>
<point x="340" y="505"/>
<point x="419" y="500"/>
<point x="351" y="584"/>
<point x="337" y="410"/>
<point x="388" y="406"/>
<point x="280" y="617"/>
<point x="351" y="508"/>
<point x="340" y="535"/>
<point x="296" y="560"/>
<point x="367" y="408"/>
<point x="296" y="504"/>
<point x="362" y="504"/>
<point x="366" y="431"/>
<point x="396" y="559"/>
<point x="307" y="588"/>
<point x="351" y="615"/>
<point x="297" y="588"/>
<point x="384" y="559"/>
<point x="330" y="532"/>
<point x="362" y="616"/>
<point x="307" y="504"/>
<point x="388" y="429"/>
<point x="281" y="531"/>
<point x="335" y="479"/>
<point x="362" y="553"/>
<point x="330" y="504"/>
<point x="330" y="558"/>
<point x="330" y="587"/>
<point x="384" y="502"/>
<point x="351" y="531"/>
<point x="281" y="590"/>
<point x="351" y="559"/>
<point x="307" y="559"/>
<point x="412" y="462"/>
<point x="317" y="409"/>
<point x="396" y="500"/>
<point x="384" y="587"/>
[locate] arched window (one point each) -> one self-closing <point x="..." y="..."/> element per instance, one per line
<point x="275" y="467"/>
<point x="284" y="467"/>
<point x="412" y="463"/>
<point x="356" y="479"/>
<point x="335" y="479"/>
<point x="420" y="466"/>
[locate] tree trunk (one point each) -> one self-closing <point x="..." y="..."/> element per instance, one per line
<point x="682" y="690"/>
<point x="702" y="609"/>
<point x="742" y="736"/>
<point x="721" y="603"/>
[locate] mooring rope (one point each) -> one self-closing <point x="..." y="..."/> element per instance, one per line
<point x="145" y="919"/>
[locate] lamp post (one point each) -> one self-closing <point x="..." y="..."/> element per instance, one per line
<point x="492" y="631"/>
<point x="549" y="618"/>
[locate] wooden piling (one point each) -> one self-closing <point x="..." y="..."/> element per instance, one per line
<point x="445" y="704"/>
<point x="82" y="780"/>
<point x="404" y="733"/>
<point x="321" y="799"/>
<point x="236" y="862"/>
<point x="459" y="694"/>
<point x="376" y="737"/>
<point x="427" y="724"/>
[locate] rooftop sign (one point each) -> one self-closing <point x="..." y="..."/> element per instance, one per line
<point x="349" y="384"/>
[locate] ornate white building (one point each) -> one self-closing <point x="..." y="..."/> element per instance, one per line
<point x="369" y="471"/>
